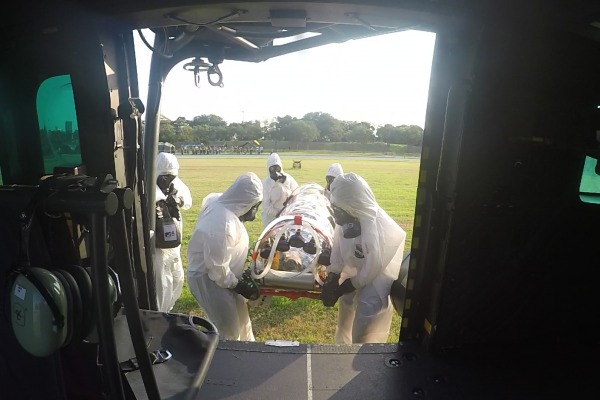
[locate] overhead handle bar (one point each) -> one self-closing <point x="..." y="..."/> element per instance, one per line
<point x="198" y="65"/>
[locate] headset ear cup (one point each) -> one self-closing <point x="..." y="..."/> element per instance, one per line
<point x="92" y="336"/>
<point x="92" y="333"/>
<point x="38" y="308"/>
<point x="76" y="327"/>
<point x="117" y="284"/>
<point x="69" y="314"/>
<point x="84" y="283"/>
<point x="6" y="303"/>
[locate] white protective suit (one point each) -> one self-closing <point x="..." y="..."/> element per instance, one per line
<point x="371" y="261"/>
<point x="334" y="170"/>
<point x="209" y="199"/>
<point x="275" y="193"/>
<point x="168" y="268"/>
<point x="217" y="253"/>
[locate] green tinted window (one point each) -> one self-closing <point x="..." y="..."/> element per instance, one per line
<point x="59" y="133"/>
<point x="589" y="188"/>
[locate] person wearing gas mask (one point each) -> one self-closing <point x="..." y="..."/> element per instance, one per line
<point x="168" y="267"/>
<point x="217" y="253"/>
<point x="334" y="170"/>
<point x="367" y="251"/>
<point x="277" y="187"/>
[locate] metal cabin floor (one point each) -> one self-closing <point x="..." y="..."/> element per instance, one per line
<point x="246" y="371"/>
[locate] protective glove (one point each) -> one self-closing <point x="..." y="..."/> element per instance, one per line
<point x="332" y="290"/>
<point x="171" y="201"/>
<point x="178" y="201"/>
<point x="172" y="190"/>
<point x="247" y="287"/>
<point x="172" y="197"/>
<point x="173" y="205"/>
<point x="347" y="287"/>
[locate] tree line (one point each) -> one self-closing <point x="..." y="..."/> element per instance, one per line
<point x="313" y="127"/>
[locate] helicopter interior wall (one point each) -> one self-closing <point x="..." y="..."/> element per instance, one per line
<point x="522" y="250"/>
<point x="32" y="57"/>
<point x="21" y="160"/>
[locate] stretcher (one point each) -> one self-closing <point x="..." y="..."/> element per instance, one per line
<point x="290" y="256"/>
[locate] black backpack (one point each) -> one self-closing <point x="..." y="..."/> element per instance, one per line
<point x="168" y="217"/>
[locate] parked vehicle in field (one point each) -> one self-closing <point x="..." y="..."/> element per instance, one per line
<point x="166" y="147"/>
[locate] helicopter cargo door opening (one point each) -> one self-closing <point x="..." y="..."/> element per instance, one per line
<point x="360" y="103"/>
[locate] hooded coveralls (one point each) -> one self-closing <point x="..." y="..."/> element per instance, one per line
<point x="334" y="171"/>
<point x="216" y="255"/>
<point x="275" y="192"/>
<point x="168" y="268"/>
<point x="371" y="261"/>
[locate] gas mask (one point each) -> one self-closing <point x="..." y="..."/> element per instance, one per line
<point x="350" y="225"/>
<point x="251" y="214"/>
<point x="275" y="173"/>
<point x="329" y="179"/>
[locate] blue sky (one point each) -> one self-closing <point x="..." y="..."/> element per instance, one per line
<point x="381" y="80"/>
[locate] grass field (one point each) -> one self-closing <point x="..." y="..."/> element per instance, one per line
<point x="393" y="182"/>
